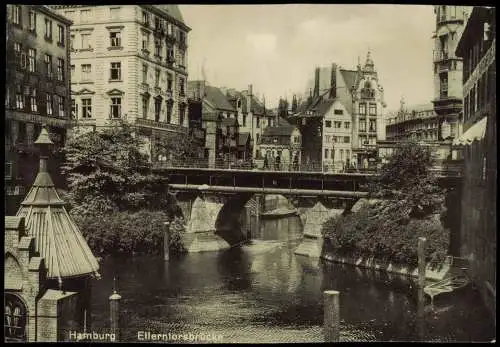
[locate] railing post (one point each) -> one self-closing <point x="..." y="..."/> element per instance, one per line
<point x="331" y="319"/>
<point x="114" y="309"/>
<point x="421" y="262"/>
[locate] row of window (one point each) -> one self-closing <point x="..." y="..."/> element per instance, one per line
<point x="158" y="109"/>
<point x="158" y="49"/>
<point x="474" y="55"/>
<point x="29" y="62"/>
<point x="337" y="125"/>
<point x="170" y="79"/>
<point x="32" y="27"/>
<point x="479" y="95"/>
<point x="162" y="25"/>
<point x="372" y="109"/>
<point x="337" y="139"/>
<point x="28" y="99"/>
<point x="372" y="123"/>
<point x="337" y="154"/>
<point x="364" y="140"/>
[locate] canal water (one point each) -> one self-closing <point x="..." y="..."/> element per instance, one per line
<point x="262" y="292"/>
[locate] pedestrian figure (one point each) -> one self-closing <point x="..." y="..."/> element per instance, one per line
<point x="296" y="163"/>
<point x="266" y="164"/>
<point x="277" y="162"/>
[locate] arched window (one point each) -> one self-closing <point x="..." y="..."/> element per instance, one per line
<point x="14" y="318"/>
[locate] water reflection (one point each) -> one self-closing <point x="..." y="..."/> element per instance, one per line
<point x="264" y="292"/>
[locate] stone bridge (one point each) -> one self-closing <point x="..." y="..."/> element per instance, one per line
<point x="213" y="201"/>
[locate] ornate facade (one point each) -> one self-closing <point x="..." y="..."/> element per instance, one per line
<point x="129" y="62"/>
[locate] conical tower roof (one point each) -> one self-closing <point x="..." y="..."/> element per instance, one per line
<point x="57" y="238"/>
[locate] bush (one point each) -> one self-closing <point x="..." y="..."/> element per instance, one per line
<point x="130" y="233"/>
<point x="386" y="231"/>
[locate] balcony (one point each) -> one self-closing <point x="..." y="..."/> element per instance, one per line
<point x="443" y="19"/>
<point x="38" y="119"/>
<point x="149" y="123"/>
<point x="171" y="38"/>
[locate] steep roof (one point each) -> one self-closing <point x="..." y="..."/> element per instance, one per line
<point x="257" y="105"/>
<point x="173" y="11"/>
<point x="57" y="238"/>
<point x="349" y="77"/>
<point x="284" y="128"/>
<point x="215" y="97"/>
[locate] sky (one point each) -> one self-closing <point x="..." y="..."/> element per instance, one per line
<point x="276" y="47"/>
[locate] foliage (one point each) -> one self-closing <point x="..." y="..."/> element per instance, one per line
<point x="130" y="233"/>
<point x="114" y="196"/>
<point x="179" y="148"/>
<point x="408" y="177"/>
<point x="410" y="206"/>
<point x="386" y="231"/>
<point x="106" y="171"/>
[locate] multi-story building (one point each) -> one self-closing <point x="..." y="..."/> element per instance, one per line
<point x="129" y="62"/>
<point x="37" y="92"/>
<point x="253" y="116"/>
<point x="478" y="142"/>
<point x="341" y="126"/>
<point x="418" y="122"/>
<point x="225" y="141"/>
<point x="450" y="21"/>
<point x="282" y="140"/>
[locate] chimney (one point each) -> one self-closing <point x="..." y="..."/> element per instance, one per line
<point x="249" y="98"/>
<point x="201" y="89"/>
<point x="333" y="82"/>
<point x="316" y="83"/>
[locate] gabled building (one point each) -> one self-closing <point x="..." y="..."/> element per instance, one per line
<point x="478" y="145"/>
<point x="340" y="126"/>
<point x="282" y="141"/>
<point x="224" y="141"/>
<point x="253" y="116"/>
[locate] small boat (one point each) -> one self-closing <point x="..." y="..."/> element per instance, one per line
<point x="447" y="285"/>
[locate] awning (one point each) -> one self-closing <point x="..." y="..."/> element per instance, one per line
<point x="475" y="132"/>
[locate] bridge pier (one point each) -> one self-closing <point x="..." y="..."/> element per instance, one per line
<point x="312" y="243"/>
<point x="201" y="230"/>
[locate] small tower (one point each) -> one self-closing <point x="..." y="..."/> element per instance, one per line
<point x="70" y="263"/>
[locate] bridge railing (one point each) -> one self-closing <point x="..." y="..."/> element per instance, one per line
<point x="444" y="169"/>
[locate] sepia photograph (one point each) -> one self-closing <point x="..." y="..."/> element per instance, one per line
<point x="250" y="173"/>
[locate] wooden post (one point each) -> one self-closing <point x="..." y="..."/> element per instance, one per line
<point x="421" y="262"/>
<point x="166" y="241"/>
<point x="114" y="308"/>
<point x="331" y="322"/>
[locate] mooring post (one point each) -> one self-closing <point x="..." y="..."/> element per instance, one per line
<point x="331" y="320"/>
<point x="166" y="241"/>
<point x="421" y="262"/>
<point x="257" y="214"/>
<point x="114" y="308"/>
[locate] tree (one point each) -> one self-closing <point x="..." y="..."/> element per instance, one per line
<point x="408" y="177"/>
<point x="180" y="148"/>
<point x="107" y="172"/>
